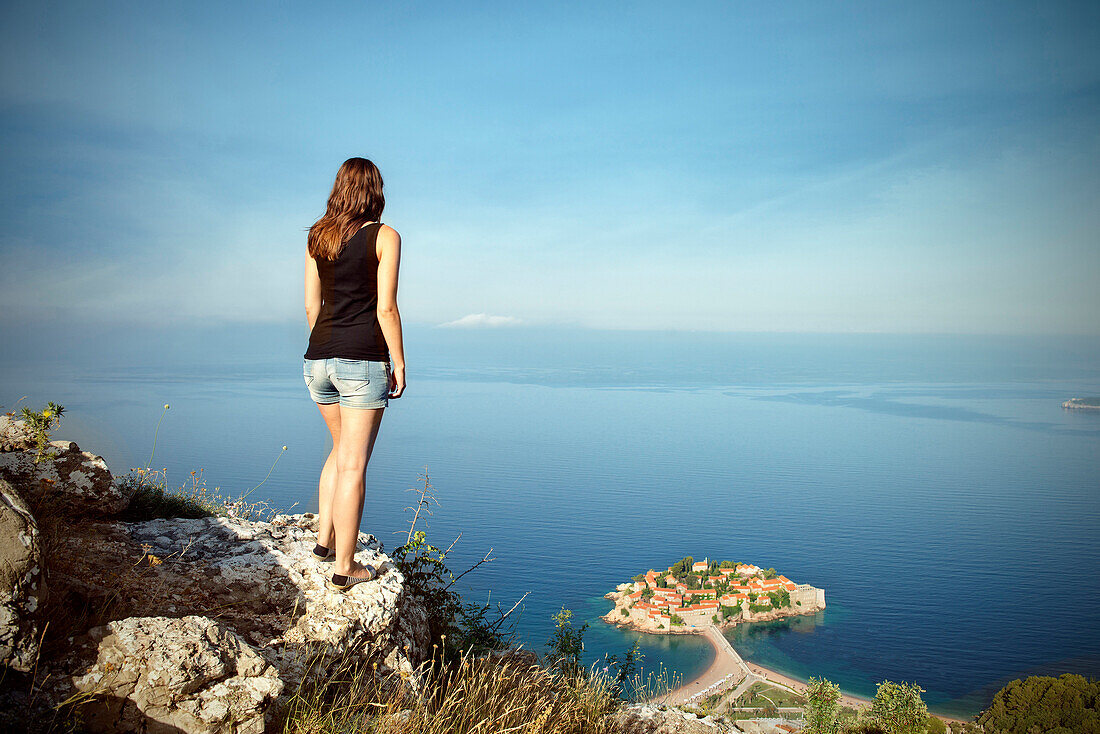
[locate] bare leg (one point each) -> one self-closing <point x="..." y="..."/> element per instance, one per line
<point x="358" y="429"/>
<point x="327" y="485"/>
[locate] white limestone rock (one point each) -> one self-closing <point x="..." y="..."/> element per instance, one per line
<point x="75" y="483"/>
<point x="271" y="599"/>
<point x="650" y="719"/>
<point x="15" y="434"/>
<point x="189" y="674"/>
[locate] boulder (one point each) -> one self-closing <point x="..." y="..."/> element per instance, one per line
<point x="15" y="435"/>
<point x="158" y="674"/>
<point x="254" y="588"/>
<point x="73" y="484"/>
<point x="19" y="581"/>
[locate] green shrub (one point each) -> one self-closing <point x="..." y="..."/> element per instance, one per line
<point x="898" y="709"/>
<point x="40" y="423"/>
<point x="1068" y="703"/>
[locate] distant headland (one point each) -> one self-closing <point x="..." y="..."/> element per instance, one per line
<point x="692" y="595"/>
<point x="1082" y="403"/>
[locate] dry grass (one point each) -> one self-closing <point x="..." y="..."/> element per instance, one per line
<point x="506" y="692"/>
<point x="151" y="499"/>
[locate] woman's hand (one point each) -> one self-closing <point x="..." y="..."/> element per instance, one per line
<point x="397" y="381"/>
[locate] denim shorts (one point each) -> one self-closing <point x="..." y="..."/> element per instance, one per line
<point x="354" y="383"/>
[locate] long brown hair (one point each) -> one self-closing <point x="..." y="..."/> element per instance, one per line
<point x="356" y="199"/>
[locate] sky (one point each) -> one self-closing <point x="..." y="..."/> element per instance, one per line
<point x="926" y="167"/>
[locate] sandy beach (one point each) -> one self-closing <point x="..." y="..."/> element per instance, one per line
<point x="724" y="664"/>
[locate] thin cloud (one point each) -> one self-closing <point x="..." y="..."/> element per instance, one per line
<point x="476" y="320"/>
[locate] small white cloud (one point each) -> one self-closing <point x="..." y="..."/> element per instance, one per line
<point x="474" y="320"/>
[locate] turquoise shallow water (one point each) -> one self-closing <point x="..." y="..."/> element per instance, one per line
<point x="932" y="485"/>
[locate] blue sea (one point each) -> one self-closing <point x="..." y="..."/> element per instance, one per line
<point x="932" y="484"/>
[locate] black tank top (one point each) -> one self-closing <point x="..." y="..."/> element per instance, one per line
<point x="348" y="323"/>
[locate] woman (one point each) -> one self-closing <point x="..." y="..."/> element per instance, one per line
<point x="355" y="332"/>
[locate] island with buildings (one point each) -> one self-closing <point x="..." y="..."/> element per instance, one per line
<point x="705" y="597"/>
<point x="692" y="595"/>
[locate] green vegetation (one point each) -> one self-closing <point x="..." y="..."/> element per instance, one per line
<point x="41" y="422"/>
<point x="769" y="573"/>
<point x="764" y="696"/>
<point x="780" y="599"/>
<point x="675" y="619"/>
<point x="898" y="709"/>
<point x="822" y="707"/>
<point x="1068" y="703"/>
<point x="567" y="644"/>
<point x="728" y="612"/>
<point x="682" y="567"/>
<point x="152" y="498"/>
<point x="625" y="613"/>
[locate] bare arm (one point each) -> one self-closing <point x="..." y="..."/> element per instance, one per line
<point x="313" y="291"/>
<point x="389" y="319"/>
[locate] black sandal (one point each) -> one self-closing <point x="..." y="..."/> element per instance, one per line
<point x="343" y="583"/>
<point x="321" y="553"/>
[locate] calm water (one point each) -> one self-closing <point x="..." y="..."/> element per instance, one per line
<point x="932" y="485"/>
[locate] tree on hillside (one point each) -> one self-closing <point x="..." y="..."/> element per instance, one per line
<point x="899" y="709"/>
<point x="727" y="564"/>
<point x="822" y="707"/>
<point x="770" y="573"/>
<point x="1068" y="703"/>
